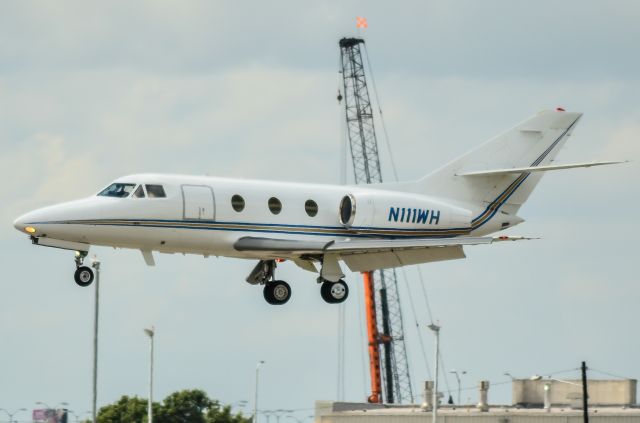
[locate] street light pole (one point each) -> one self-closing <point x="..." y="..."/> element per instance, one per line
<point x="455" y="372"/>
<point x="77" y="417"/>
<point x="436" y="330"/>
<point x="150" y="333"/>
<point x="12" y="414"/>
<point x="96" y="304"/>
<point x="255" y="393"/>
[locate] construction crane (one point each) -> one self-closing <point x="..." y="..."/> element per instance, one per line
<point x="387" y="352"/>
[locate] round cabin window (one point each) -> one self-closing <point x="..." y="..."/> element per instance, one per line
<point x="275" y="205"/>
<point x="237" y="202"/>
<point x="311" y="207"/>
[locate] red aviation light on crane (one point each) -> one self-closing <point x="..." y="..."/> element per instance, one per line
<point x="560" y="109"/>
<point x="361" y="22"/>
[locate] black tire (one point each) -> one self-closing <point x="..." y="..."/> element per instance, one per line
<point x="334" y="292"/>
<point x="83" y="276"/>
<point x="277" y="292"/>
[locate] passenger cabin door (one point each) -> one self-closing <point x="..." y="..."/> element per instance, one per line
<point x="198" y="202"/>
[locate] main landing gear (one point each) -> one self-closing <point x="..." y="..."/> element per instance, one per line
<point x="277" y="292"/>
<point x="83" y="274"/>
<point x="334" y="292"/>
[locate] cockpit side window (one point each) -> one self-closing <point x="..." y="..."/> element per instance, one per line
<point x="139" y="193"/>
<point x="155" y="191"/>
<point x="117" y="189"/>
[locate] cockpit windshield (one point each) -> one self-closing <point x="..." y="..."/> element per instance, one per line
<point x="117" y="190"/>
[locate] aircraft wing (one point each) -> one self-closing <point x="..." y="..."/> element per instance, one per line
<point x="368" y="254"/>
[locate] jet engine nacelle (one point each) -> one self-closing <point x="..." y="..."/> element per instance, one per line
<point x="366" y="210"/>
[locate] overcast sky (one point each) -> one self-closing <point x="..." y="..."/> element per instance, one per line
<point x="93" y="91"/>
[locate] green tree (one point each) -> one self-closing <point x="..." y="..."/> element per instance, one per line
<point x="126" y="409"/>
<point x="194" y="406"/>
<point x="187" y="406"/>
<point x="223" y="414"/>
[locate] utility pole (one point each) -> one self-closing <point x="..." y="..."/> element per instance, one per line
<point x="255" y="397"/>
<point x="585" y="396"/>
<point x="94" y="400"/>
<point x="150" y="333"/>
<point x="436" y="330"/>
<point x="389" y="336"/>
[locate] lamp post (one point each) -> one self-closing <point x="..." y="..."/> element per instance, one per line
<point x="455" y="372"/>
<point x="150" y="333"/>
<point x="12" y="414"/>
<point x="240" y="404"/>
<point x="255" y="393"/>
<point x="96" y="305"/>
<point x="47" y="406"/>
<point x="436" y="330"/>
<point x="77" y="417"/>
<point x="510" y="375"/>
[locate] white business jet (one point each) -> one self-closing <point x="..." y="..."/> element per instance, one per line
<point x="317" y="227"/>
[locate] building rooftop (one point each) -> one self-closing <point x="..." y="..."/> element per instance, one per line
<point x="328" y="408"/>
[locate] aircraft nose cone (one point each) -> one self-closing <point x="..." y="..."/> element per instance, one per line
<point x="23" y="223"/>
<point x="19" y="223"/>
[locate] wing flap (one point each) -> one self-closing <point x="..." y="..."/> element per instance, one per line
<point x="364" y="262"/>
<point x="359" y="246"/>
<point x="274" y="245"/>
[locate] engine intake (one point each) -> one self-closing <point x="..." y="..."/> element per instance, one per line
<point x="347" y="210"/>
<point x="366" y="210"/>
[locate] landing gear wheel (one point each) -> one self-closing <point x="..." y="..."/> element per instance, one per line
<point x="334" y="292"/>
<point x="277" y="292"/>
<point x="83" y="276"/>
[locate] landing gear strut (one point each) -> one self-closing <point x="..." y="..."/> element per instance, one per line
<point x="333" y="290"/>
<point x="83" y="274"/>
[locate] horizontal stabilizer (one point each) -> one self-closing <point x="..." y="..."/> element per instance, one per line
<point x="533" y="169"/>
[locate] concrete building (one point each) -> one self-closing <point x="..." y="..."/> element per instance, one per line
<point x="543" y="400"/>
<point x="531" y="393"/>
<point x="327" y="412"/>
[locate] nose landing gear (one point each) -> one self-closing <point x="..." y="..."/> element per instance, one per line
<point x="83" y="274"/>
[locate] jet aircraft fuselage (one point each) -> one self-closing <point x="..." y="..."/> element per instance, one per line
<point x="365" y="227"/>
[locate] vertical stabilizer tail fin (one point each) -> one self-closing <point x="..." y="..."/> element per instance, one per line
<point x="534" y="142"/>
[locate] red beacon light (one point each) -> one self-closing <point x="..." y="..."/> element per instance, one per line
<point x="559" y="109"/>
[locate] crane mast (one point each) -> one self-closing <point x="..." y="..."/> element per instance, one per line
<point x="387" y="353"/>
